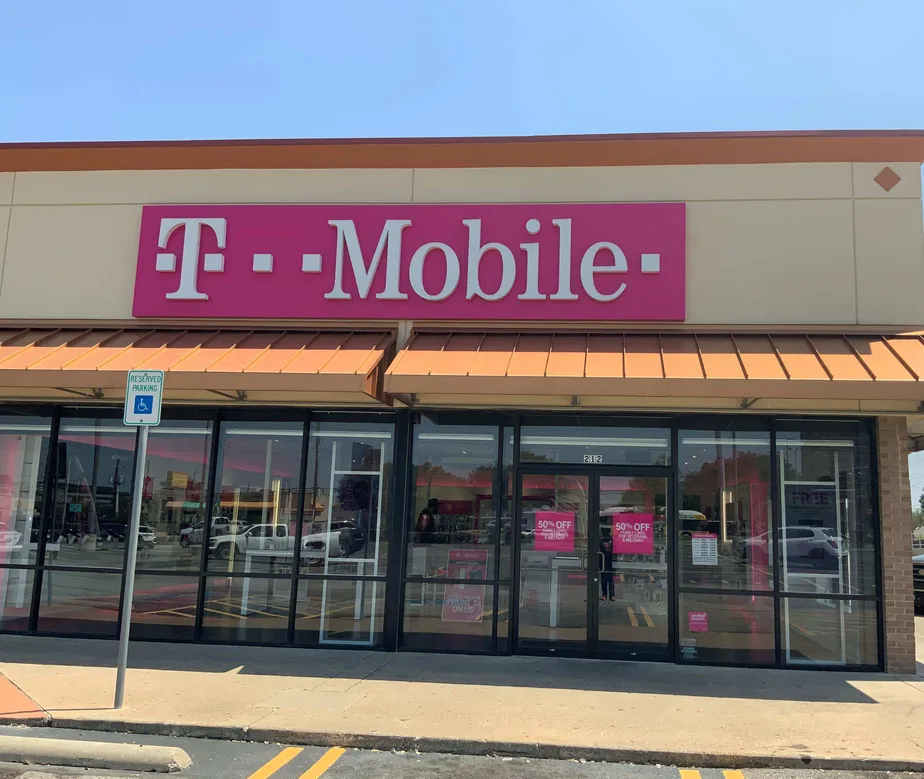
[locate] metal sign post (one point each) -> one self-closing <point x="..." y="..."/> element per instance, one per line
<point x="143" y="395"/>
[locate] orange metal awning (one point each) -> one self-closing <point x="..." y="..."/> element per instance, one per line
<point x="200" y="365"/>
<point x="665" y="369"/>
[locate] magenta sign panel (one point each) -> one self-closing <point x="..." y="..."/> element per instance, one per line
<point x="633" y="534"/>
<point x="554" y="531"/>
<point x="569" y="262"/>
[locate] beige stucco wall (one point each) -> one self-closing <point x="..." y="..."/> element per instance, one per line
<point x="789" y="244"/>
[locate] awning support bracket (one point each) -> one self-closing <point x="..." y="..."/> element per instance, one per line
<point x="575" y="400"/>
<point x="96" y="393"/>
<point x="748" y="402"/>
<point x="238" y="394"/>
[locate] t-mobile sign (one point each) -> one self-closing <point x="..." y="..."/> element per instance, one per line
<point x="579" y="262"/>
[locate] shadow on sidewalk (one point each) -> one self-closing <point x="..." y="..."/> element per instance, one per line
<point x="415" y="668"/>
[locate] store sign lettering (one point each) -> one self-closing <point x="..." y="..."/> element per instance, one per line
<point x="623" y="261"/>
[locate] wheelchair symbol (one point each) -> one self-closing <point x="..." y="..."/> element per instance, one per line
<point x="144" y="404"/>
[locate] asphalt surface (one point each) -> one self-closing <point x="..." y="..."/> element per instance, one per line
<point x="242" y="760"/>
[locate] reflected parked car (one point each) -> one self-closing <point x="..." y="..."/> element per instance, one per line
<point x="341" y="540"/>
<point x="10" y="539"/>
<point x="221" y="526"/>
<point x="147" y="538"/>
<point x="806" y="547"/>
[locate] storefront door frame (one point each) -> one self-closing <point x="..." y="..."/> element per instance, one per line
<point x="593" y="473"/>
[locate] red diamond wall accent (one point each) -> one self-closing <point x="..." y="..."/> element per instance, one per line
<point x="887" y="178"/>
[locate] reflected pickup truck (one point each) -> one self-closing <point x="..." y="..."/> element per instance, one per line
<point x="255" y="537"/>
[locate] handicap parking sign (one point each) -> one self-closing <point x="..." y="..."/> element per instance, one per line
<point x="144" y="404"/>
<point x="143" y="393"/>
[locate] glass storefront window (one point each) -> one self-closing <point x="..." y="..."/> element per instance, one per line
<point x="164" y="607"/>
<point x="79" y="602"/>
<point x="254" y="519"/>
<point x="726" y="629"/>
<point x="173" y="500"/>
<point x="595" y="445"/>
<point x="344" y="527"/>
<point x="246" y="610"/>
<point x="93" y="499"/>
<point x="820" y="631"/>
<point x="23" y="453"/>
<point x="448" y="617"/>
<point x="828" y="531"/>
<point x="724" y="529"/>
<point x="452" y="522"/>
<point x="339" y="612"/>
<point x="15" y="599"/>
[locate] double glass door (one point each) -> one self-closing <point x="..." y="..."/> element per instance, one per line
<point x="593" y="563"/>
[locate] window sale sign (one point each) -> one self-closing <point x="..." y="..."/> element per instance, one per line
<point x="547" y="262"/>
<point x="633" y="534"/>
<point x="465" y="602"/>
<point x="554" y="531"/>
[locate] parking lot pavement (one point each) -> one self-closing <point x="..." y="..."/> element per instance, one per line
<point x="243" y="760"/>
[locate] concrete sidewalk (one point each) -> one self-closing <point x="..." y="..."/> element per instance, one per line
<point x="693" y="716"/>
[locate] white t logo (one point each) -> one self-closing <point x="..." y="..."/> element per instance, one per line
<point x="189" y="264"/>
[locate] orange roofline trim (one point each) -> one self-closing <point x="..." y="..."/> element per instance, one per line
<point x="487" y="152"/>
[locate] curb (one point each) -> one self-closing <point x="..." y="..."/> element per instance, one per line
<point x="535" y="750"/>
<point x="77" y="753"/>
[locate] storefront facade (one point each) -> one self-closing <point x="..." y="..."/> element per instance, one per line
<point x="627" y="398"/>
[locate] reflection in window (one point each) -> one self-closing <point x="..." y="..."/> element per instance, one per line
<point x="82" y="602"/>
<point x="596" y="445"/>
<point x="253" y="522"/>
<point x="242" y="609"/>
<point x="828" y="530"/>
<point x="725" y="518"/>
<point x="339" y="612"/>
<point x="15" y="599"/>
<point x="349" y="470"/>
<point x="93" y="501"/>
<point x="553" y="581"/>
<point x="453" y="499"/>
<point x="453" y="617"/>
<point x="821" y="631"/>
<point x="164" y="607"/>
<point x="23" y="451"/>
<point x="726" y="629"/>
<point x="343" y="529"/>
<point x="173" y="500"/>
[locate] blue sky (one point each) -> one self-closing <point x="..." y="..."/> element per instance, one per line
<point x="205" y="69"/>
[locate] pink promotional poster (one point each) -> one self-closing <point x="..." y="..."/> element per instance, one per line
<point x="549" y="262"/>
<point x="554" y="531"/>
<point x="698" y="621"/>
<point x="465" y="602"/>
<point x="633" y="534"/>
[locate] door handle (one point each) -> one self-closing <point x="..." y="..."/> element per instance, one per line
<point x="602" y="561"/>
<point x="585" y="561"/>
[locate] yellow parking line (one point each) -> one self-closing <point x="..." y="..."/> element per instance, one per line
<point x="733" y="774"/>
<point x="648" y="620"/>
<point x="226" y="614"/>
<point x="330" y="757"/>
<point x="270" y="768"/>
<point x="634" y="622"/>
<point x="689" y="773"/>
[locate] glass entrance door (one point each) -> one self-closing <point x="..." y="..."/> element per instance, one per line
<point x="555" y="508"/>
<point x="632" y="616"/>
<point x="593" y="564"/>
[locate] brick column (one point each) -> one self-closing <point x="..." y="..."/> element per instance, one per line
<point x="895" y="517"/>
